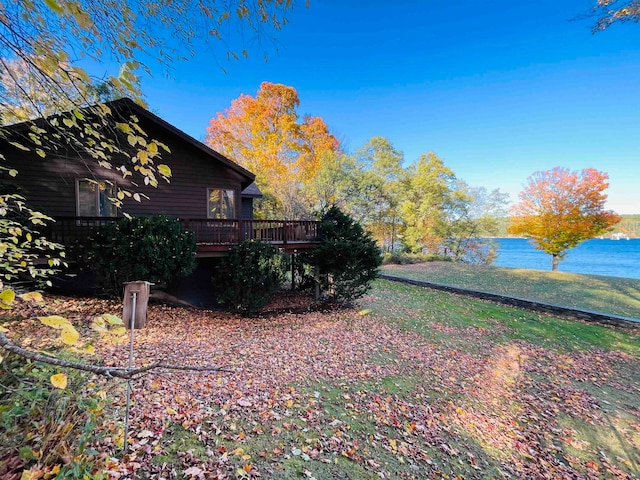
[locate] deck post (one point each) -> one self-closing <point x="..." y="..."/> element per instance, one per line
<point x="293" y="271"/>
<point x="285" y="233"/>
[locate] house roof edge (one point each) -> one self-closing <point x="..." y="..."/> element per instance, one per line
<point x="128" y="102"/>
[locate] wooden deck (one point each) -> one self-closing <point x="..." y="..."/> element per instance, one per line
<point x="213" y="237"/>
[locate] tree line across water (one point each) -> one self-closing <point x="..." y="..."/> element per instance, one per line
<point x="629" y="225"/>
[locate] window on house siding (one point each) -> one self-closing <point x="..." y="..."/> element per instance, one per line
<point x="222" y="203"/>
<point x="93" y="199"/>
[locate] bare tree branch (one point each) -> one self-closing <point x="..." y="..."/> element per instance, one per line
<point x="109" y="372"/>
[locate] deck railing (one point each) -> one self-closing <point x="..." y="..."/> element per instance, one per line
<point x="208" y="232"/>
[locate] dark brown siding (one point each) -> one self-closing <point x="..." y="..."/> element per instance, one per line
<point x="247" y="208"/>
<point x="49" y="184"/>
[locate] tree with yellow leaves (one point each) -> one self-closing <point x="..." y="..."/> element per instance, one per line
<point x="265" y="135"/>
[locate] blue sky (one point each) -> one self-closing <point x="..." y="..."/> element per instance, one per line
<point x="496" y="89"/>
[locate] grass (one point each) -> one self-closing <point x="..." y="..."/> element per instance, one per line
<point x="613" y="295"/>
<point x="412" y="305"/>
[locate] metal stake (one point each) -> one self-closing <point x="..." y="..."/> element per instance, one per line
<point x="126" y="416"/>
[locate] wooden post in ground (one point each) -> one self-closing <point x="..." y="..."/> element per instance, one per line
<point x="293" y="271"/>
<point x="316" y="279"/>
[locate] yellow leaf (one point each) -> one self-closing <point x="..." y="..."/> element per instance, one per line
<point x="35" y="297"/>
<point x="59" y="380"/>
<point x="238" y="451"/>
<point x="20" y="146"/>
<point x="31" y="474"/>
<point x="53" y="5"/>
<point x="98" y="324"/>
<point x="112" y="319"/>
<point x="6" y="298"/>
<point x="164" y="170"/>
<point x="124" y="127"/>
<point x="152" y="148"/>
<point x="2" y="329"/>
<point x="55" y="321"/>
<point x="143" y="156"/>
<point x="69" y="335"/>
<point x="1" y="358"/>
<point x="83" y="20"/>
<point x="90" y="349"/>
<point x="119" y="331"/>
<point x="164" y="147"/>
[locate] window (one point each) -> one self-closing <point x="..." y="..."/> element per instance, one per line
<point x="221" y="203"/>
<point x="93" y="199"/>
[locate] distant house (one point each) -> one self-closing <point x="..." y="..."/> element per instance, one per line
<point x="208" y="192"/>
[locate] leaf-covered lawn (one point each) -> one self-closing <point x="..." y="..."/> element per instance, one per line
<point x="423" y="385"/>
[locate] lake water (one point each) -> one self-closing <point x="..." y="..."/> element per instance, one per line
<point x="616" y="258"/>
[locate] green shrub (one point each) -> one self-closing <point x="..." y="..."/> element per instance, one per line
<point x="404" y="258"/>
<point x="347" y="258"/>
<point x="154" y="249"/>
<point x="247" y="279"/>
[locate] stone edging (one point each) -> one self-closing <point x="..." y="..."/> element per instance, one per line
<point x="586" y="315"/>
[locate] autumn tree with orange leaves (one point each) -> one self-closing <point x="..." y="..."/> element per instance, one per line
<point x="559" y="209"/>
<point x="265" y="135"/>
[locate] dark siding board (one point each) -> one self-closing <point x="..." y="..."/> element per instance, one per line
<point x="247" y="208"/>
<point x="49" y="183"/>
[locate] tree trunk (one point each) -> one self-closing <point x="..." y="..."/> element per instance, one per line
<point x="555" y="259"/>
<point x="393" y="235"/>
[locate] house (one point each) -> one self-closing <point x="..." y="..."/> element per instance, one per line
<point x="210" y="194"/>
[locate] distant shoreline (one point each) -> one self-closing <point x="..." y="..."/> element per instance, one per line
<point x="525" y="238"/>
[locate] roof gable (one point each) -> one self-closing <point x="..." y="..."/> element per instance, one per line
<point x="128" y="105"/>
<point x="125" y="106"/>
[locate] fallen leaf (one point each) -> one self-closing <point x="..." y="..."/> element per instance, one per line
<point x="59" y="380"/>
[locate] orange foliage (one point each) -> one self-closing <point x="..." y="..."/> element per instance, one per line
<point x="559" y="209"/>
<point x="318" y="143"/>
<point x="262" y="134"/>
